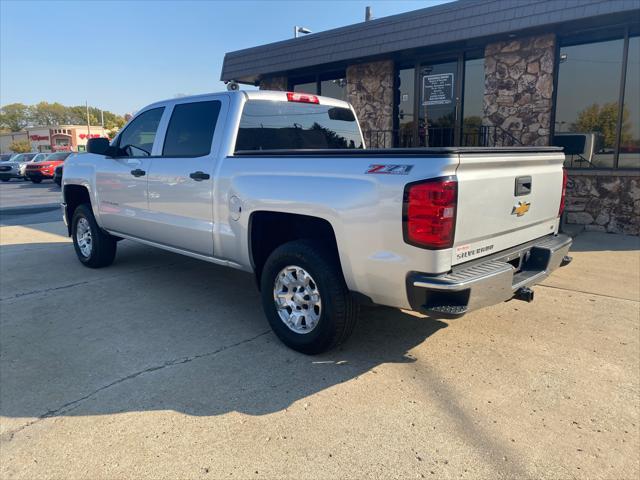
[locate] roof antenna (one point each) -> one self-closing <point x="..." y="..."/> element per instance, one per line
<point x="368" y="16"/>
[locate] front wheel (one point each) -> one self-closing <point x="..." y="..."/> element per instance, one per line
<point x="94" y="247"/>
<point x="305" y="298"/>
<point x="36" y="180"/>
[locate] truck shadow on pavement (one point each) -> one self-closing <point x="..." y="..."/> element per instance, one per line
<point x="158" y="331"/>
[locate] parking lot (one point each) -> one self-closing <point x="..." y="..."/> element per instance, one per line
<point x="164" y="367"/>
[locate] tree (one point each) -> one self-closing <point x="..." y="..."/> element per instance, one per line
<point x="603" y="119"/>
<point x="45" y="113"/>
<point x="20" y="146"/>
<point x="14" y="116"/>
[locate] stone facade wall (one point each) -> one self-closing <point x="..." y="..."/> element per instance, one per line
<point x="519" y="86"/>
<point x="370" y="91"/>
<point x="607" y="201"/>
<point x="274" y="83"/>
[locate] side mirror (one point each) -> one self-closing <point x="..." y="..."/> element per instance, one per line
<point x="99" y="146"/>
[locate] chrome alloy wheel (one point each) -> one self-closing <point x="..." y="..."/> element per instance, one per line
<point x="83" y="237"/>
<point x="297" y="299"/>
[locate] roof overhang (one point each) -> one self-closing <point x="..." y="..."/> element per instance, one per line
<point x="455" y="22"/>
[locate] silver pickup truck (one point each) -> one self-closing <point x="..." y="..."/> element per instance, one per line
<point x="280" y="184"/>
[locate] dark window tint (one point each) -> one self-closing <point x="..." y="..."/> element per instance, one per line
<point x="191" y="129"/>
<point x="56" y="157"/>
<point x="137" y="139"/>
<point x="267" y="125"/>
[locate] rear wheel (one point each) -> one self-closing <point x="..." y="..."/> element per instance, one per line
<point x="305" y="298"/>
<point x="94" y="247"/>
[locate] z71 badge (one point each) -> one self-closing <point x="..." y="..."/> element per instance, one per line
<point x="389" y="169"/>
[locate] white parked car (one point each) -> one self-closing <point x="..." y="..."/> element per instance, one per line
<point x="280" y="184"/>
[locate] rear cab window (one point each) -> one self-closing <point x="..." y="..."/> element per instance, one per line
<point x="277" y="125"/>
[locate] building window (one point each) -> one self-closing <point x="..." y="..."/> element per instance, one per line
<point x="589" y="121"/>
<point x="406" y="107"/>
<point x="629" y="156"/>
<point x="332" y="85"/>
<point x="306" y="86"/>
<point x="472" y="101"/>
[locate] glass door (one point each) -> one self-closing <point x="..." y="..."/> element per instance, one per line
<point x="437" y="91"/>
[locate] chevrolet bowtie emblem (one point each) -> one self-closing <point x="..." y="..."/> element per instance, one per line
<point x="521" y="208"/>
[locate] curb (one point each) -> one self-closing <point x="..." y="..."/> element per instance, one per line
<point x="28" y="209"/>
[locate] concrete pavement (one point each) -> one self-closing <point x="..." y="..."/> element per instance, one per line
<point x="164" y="367"/>
<point x="22" y="197"/>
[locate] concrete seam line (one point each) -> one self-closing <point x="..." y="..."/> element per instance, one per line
<point x="169" y="363"/>
<point x="589" y="293"/>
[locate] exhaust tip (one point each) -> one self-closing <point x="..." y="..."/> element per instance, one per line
<point x="525" y="294"/>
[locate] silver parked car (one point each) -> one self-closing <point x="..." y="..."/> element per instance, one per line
<point x="11" y="168"/>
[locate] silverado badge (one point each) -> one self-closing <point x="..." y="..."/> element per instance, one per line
<point x="521" y="208"/>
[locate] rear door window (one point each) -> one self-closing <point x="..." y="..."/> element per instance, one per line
<point x="269" y="125"/>
<point x="137" y="139"/>
<point x="191" y="128"/>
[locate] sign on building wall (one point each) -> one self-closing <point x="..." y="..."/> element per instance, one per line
<point x="437" y="89"/>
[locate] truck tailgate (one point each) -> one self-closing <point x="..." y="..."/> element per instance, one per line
<point x="504" y="200"/>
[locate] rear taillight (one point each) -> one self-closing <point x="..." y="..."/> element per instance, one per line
<point x="564" y="192"/>
<point x="429" y="216"/>
<point x="302" y="97"/>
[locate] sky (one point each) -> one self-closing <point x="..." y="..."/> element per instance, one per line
<point x="123" y="55"/>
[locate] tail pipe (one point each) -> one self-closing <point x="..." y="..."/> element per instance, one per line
<point x="525" y="294"/>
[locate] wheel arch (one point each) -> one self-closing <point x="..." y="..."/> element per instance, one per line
<point x="269" y="229"/>
<point x="75" y="195"/>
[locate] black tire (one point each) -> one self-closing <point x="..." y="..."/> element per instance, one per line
<point x="103" y="245"/>
<point x="339" y="311"/>
<point x="5" y="179"/>
<point x="36" y="180"/>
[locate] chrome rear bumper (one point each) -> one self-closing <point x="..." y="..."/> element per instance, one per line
<point x="496" y="280"/>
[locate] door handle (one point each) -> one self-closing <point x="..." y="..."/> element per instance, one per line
<point x="138" y="173"/>
<point x="199" y="176"/>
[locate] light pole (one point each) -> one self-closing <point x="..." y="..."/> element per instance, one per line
<point x="297" y="29"/>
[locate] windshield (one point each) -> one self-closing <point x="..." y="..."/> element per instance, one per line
<point x="40" y="157"/>
<point x="269" y="125"/>
<point x="56" y="157"/>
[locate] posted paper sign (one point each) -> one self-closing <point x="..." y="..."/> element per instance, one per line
<point x="437" y="89"/>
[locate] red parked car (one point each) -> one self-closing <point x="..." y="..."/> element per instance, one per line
<point x="36" y="172"/>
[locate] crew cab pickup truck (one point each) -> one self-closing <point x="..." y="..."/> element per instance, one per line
<point x="280" y="184"/>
